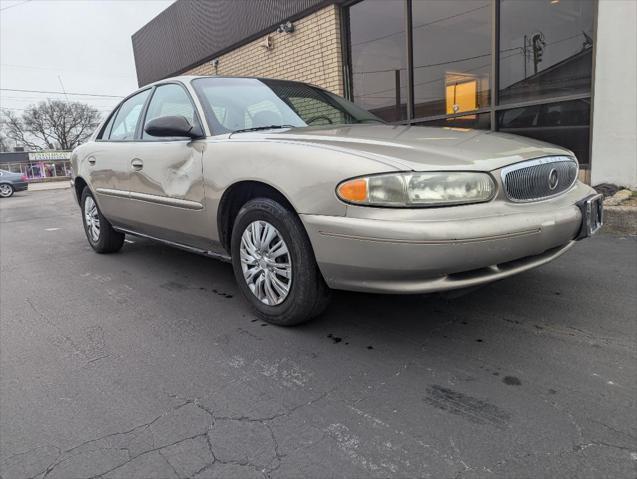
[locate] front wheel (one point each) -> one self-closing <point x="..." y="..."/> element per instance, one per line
<point x="6" y="190"/>
<point x="274" y="264"/>
<point x="99" y="232"/>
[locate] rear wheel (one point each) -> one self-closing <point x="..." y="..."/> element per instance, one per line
<point x="6" y="190"/>
<point x="274" y="264"/>
<point x="99" y="232"/>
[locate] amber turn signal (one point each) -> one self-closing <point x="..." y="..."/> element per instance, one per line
<point x="353" y="190"/>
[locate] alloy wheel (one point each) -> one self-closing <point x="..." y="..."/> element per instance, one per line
<point x="266" y="262"/>
<point x="92" y="218"/>
<point x="6" y="190"/>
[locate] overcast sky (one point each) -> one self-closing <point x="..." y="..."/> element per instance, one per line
<point x="85" y="43"/>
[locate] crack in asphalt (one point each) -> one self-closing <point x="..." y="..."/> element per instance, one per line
<point x="128" y="436"/>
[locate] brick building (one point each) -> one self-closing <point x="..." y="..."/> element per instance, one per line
<point x="563" y="71"/>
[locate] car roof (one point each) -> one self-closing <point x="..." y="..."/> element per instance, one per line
<point x="188" y="78"/>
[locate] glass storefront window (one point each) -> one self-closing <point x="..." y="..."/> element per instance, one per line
<point x="545" y="48"/>
<point x="378" y="57"/>
<point x="34" y="170"/>
<point x="59" y="169"/>
<point x="49" y="170"/>
<point x="40" y="169"/>
<point x="452" y="56"/>
<point x="15" y="168"/>
<point x="565" y="123"/>
<point x="545" y="55"/>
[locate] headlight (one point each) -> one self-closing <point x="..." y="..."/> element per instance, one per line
<point x="418" y="189"/>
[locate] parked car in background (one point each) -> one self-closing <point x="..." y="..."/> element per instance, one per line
<point x="12" y="182"/>
<point x="304" y="191"/>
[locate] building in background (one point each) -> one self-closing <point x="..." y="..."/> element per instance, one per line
<point x="563" y="71"/>
<point x="38" y="165"/>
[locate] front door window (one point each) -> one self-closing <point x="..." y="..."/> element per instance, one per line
<point x="125" y="123"/>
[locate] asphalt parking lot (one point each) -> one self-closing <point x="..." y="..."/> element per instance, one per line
<point x="146" y="363"/>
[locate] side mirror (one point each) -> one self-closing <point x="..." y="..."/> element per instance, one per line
<point x="172" y="126"/>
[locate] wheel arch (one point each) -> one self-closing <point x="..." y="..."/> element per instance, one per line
<point x="79" y="185"/>
<point x="237" y="195"/>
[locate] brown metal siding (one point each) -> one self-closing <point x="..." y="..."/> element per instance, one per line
<point x="190" y="32"/>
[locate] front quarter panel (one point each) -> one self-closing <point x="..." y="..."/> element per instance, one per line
<point x="306" y="175"/>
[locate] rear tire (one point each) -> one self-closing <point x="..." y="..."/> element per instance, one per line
<point x="296" y="293"/>
<point x="6" y="190"/>
<point x="99" y="232"/>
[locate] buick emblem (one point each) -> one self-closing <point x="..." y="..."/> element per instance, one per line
<point x="553" y="179"/>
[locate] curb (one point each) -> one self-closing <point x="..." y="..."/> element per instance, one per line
<point x="50" y="185"/>
<point x="620" y="220"/>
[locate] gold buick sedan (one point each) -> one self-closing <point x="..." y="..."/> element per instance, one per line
<point x="304" y="192"/>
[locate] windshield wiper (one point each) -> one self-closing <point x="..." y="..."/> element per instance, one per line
<point x="258" y="128"/>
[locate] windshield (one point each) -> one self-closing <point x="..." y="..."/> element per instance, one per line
<point x="233" y="104"/>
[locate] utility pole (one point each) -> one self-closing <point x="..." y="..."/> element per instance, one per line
<point x="524" y="54"/>
<point x="398" y="95"/>
<point x="538" y="44"/>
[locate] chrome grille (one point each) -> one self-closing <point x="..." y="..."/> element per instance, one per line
<point x="540" y="178"/>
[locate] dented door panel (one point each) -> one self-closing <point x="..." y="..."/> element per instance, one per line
<point x="167" y="192"/>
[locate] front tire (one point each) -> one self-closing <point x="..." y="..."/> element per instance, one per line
<point x="99" y="232"/>
<point x="6" y="190"/>
<point x="274" y="264"/>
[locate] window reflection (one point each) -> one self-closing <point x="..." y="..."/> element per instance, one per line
<point x="480" y="121"/>
<point x="565" y="123"/>
<point x="545" y="48"/>
<point x="452" y="56"/>
<point x="378" y="57"/>
<point x="545" y="54"/>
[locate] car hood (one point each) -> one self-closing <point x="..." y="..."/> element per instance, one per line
<point x="421" y="148"/>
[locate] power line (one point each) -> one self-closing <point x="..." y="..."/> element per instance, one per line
<point x="390" y="70"/>
<point x="91" y="72"/>
<point x="416" y="67"/>
<point x="14" y="5"/>
<point x="422" y="25"/>
<point x="26" y="99"/>
<point x="439" y="78"/>
<point x="61" y="93"/>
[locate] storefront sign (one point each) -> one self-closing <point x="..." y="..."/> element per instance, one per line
<point x="49" y="155"/>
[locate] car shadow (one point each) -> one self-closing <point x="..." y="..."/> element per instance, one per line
<point x="527" y="302"/>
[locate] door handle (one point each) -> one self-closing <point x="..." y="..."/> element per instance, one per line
<point x="137" y="164"/>
<point x="91" y="161"/>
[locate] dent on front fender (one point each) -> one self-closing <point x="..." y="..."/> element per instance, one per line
<point x="306" y="175"/>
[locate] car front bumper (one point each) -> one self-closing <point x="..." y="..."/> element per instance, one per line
<point x="427" y="250"/>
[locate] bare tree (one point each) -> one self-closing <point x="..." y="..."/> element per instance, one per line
<point x="51" y="124"/>
<point x="4" y="143"/>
